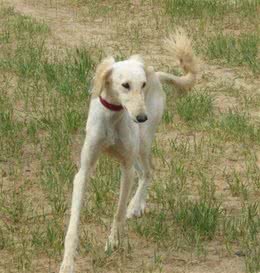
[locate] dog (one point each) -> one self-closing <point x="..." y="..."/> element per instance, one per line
<point x="126" y="107"/>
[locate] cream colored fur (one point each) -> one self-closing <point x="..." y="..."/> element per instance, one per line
<point x="126" y="134"/>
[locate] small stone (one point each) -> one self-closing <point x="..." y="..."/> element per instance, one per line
<point x="240" y="253"/>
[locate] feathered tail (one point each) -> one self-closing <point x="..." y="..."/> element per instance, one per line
<point x="180" y="46"/>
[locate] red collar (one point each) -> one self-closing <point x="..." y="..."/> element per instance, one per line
<point x="112" y="107"/>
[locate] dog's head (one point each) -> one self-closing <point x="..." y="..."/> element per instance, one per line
<point x="126" y="83"/>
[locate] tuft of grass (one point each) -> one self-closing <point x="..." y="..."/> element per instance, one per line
<point x="195" y="107"/>
<point x="200" y="218"/>
<point x="154" y="227"/>
<point x="236" y="186"/>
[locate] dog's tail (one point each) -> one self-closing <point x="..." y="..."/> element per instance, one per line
<point x="180" y="46"/>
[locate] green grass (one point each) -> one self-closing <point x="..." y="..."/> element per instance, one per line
<point x="41" y="111"/>
<point x="252" y="248"/>
<point x="195" y="107"/>
<point x="199" y="219"/>
<point x="242" y="50"/>
<point x="211" y="8"/>
<point x="236" y="185"/>
<point x="238" y="125"/>
<point x="195" y="8"/>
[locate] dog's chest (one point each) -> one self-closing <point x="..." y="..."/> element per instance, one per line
<point x="122" y="141"/>
<point x="111" y="136"/>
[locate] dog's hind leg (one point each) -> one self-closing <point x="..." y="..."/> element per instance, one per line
<point x="127" y="177"/>
<point x="89" y="157"/>
<point x="137" y="204"/>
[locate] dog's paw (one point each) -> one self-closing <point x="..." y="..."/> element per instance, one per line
<point x="66" y="267"/>
<point x="116" y="236"/>
<point x="112" y="243"/>
<point x="135" y="209"/>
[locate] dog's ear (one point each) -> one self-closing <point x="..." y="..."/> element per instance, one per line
<point x="103" y="71"/>
<point x="149" y="71"/>
<point x="137" y="58"/>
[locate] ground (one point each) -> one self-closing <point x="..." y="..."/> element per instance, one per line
<point x="203" y="206"/>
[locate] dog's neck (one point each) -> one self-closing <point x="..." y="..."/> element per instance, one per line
<point x="111" y="107"/>
<point x="112" y="117"/>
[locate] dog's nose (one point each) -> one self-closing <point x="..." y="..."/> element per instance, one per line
<point x="141" y="118"/>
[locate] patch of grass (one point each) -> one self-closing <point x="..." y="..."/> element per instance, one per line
<point x="26" y="25"/>
<point x="20" y="27"/>
<point x="43" y="104"/>
<point x="67" y="75"/>
<point x="242" y="50"/>
<point x="251" y="230"/>
<point x="245" y="229"/>
<point x="7" y="12"/>
<point x="193" y="8"/>
<point x="210" y="8"/>
<point x="154" y="227"/>
<point x="238" y="126"/>
<point x="168" y="116"/>
<point x="248" y="8"/>
<point x="10" y="130"/>
<point x="104" y="188"/>
<point x="200" y="218"/>
<point x="55" y="181"/>
<point x="195" y="107"/>
<point x="236" y="185"/>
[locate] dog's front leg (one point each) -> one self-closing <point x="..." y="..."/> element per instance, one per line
<point x="127" y="177"/>
<point x="89" y="155"/>
<point x="137" y="205"/>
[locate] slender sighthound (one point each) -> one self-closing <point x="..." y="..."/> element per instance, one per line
<point x="126" y="108"/>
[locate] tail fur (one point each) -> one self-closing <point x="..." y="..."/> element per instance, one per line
<point x="180" y="46"/>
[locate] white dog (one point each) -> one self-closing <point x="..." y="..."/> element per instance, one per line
<point x="125" y="110"/>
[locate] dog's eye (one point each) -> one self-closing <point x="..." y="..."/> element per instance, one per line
<point x="144" y="84"/>
<point x="126" y="85"/>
